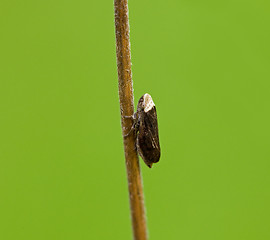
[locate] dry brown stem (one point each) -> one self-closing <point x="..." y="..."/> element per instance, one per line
<point x="127" y="109"/>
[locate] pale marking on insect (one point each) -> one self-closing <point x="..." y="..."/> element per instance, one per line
<point x="148" y="102"/>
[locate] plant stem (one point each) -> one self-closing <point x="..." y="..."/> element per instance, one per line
<point x="125" y="87"/>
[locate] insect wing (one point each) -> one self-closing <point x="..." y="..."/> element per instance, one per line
<point x="148" y="139"/>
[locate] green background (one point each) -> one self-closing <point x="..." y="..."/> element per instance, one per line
<point x="62" y="171"/>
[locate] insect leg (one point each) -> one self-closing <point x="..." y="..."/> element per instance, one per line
<point x="134" y="125"/>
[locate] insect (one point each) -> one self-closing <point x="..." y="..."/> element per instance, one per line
<point x="146" y="130"/>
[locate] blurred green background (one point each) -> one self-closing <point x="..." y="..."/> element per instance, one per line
<point x="62" y="171"/>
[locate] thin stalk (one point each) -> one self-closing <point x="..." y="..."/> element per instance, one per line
<point x="125" y="87"/>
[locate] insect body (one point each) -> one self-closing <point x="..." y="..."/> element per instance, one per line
<point x="146" y="129"/>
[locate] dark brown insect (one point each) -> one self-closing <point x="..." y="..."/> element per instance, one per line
<point x="146" y="130"/>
